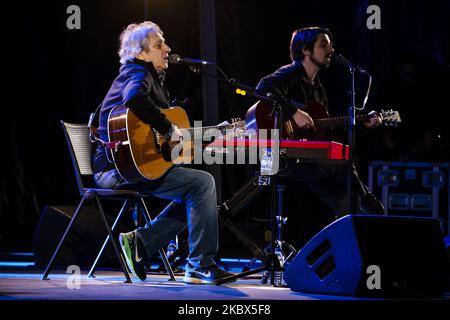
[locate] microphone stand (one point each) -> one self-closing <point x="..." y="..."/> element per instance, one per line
<point x="352" y="125"/>
<point x="351" y="141"/>
<point x="272" y="263"/>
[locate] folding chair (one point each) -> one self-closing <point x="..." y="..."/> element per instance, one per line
<point x="80" y="148"/>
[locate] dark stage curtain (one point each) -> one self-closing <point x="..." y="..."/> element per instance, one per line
<point x="53" y="73"/>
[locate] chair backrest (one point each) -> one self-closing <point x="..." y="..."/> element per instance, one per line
<point x="80" y="148"/>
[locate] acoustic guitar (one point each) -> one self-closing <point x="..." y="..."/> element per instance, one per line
<point x="140" y="152"/>
<point x="261" y="116"/>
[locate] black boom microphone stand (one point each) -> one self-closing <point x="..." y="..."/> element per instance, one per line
<point x="271" y="261"/>
<point x="352" y="68"/>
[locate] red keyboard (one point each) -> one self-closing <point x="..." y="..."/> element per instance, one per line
<point x="326" y="150"/>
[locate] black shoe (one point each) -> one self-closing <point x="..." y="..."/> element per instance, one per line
<point x="134" y="254"/>
<point x="371" y="205"/>
<point x="205" y="275"/>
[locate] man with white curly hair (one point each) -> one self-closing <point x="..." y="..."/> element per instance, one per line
<point x="139" y="86"/>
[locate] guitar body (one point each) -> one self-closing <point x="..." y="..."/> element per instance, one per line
<point x="143" y="152"/>
<point x="260" y="116"/>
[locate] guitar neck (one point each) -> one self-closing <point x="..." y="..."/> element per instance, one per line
<point x="206" y="132"/>
<point x="337" y="121"/>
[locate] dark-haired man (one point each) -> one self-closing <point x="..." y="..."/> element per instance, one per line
<point x="311" y="50"/>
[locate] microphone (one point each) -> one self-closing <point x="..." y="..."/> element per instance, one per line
<point x="177" y="59"/>
<point x="338" y="58"/>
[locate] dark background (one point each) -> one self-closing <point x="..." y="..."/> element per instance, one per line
<point x="53" y="73"/>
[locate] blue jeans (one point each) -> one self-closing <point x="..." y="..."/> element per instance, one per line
<point x="196" y="204"/>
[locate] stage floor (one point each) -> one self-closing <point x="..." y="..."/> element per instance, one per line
<point x="24" y="292"/>
<point x="109" y="285"/>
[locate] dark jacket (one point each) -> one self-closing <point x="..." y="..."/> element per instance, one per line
<point x="290" y="81"/>
<point x="140" y="88"/>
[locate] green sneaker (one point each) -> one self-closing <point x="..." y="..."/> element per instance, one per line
<point x="134" y="254"/>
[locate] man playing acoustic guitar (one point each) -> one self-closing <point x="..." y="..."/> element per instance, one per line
<point x="139" y="86"/>
<point x="311" y="50"/>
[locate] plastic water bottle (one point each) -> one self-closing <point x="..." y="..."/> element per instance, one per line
<point x="278" y="278"/>
<point x="171" y="248"/>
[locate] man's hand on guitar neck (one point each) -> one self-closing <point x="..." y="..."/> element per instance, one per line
<point x="303" y="120"/>
<point x="373" y="120"/>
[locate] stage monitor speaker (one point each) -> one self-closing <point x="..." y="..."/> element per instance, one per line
<point x="82" y="243"/>
<point x="373" y="256"/>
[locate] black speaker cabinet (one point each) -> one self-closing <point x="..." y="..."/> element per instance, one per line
<point x="374" y="256"/>
<point x="83" y="242"/>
